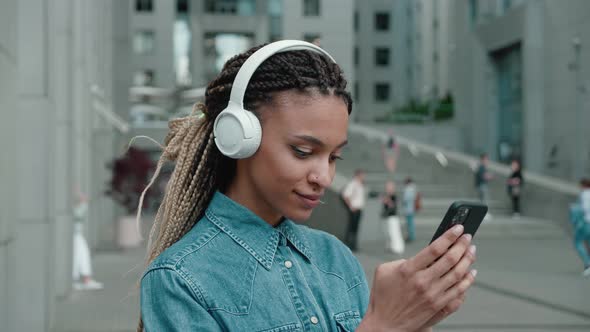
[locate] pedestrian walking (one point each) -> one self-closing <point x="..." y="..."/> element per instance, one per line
<point x="81" y="260"/>
<point x="389" y="213"/>
<point x="354" y="195"/>
<point x="225" y="253"/>
<point x="410" y="198"/>
<point x="514" y="184"/>
<point x="390" y="151"/>
<point x="482" y="177"/>
<point x="580" y="218"/>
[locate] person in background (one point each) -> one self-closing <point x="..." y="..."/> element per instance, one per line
<point x="514" y="185"/>
<point x="354" y="197"/>
<point x="409" y="205"/>
<point x="580" y="217"/>
<point x="390" y="151"/>
<point x="395" y="241"/>
<point x="482" y="177"/>
<point x="82" y="264"/>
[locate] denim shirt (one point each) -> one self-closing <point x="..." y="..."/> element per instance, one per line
<point x="235" y="272"/>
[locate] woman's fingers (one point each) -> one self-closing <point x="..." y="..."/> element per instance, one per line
<point x="458" y="291"/>
<point x="455" y="254"/>
<point x="428" y="255"/>
<point x="458" y="272"/>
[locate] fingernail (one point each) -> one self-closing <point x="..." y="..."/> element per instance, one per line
<point x="458" y="229"/>
<point x="474" y="273"/>
<point x="472" y="249"/>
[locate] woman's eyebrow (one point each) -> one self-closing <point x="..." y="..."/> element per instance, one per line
<point x="317" y="141"/>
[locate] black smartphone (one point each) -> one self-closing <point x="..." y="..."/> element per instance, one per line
<point x="469" y="214"/>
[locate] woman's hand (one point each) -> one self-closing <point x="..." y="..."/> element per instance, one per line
<point x="415" y="294"/>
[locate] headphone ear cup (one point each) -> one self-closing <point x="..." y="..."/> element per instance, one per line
<point x="237" y="132"/>
<point x="252" y="143"/>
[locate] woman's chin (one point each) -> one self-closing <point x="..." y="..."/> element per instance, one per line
<point x="299" y="216"/>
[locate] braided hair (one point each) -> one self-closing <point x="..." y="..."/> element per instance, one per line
<point x="200" y="168"/>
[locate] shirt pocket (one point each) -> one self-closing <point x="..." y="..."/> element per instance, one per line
<point x="347" y="321"/>
<point x="294" y="327"/>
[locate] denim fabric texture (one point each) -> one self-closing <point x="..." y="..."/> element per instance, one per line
<point x="235" y="272"/>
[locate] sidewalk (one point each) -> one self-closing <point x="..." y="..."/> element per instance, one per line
<point x="114" y="308"/>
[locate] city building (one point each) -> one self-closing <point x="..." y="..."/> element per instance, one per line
<point x="521" y="82"/>
<point x="401" y="54"/>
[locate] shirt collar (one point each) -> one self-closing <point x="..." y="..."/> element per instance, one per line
<point x="256" y="236"/>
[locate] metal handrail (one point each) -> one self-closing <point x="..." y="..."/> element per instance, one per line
<point x="415" y="147"/>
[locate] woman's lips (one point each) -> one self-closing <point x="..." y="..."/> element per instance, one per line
<point x="310" y="201"/>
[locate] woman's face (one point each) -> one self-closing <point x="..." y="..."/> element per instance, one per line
<point x="302" y="138"/>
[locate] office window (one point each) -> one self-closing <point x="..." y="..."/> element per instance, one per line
<point x="313" y="38"/>
<point x="356" y="55"/>
<point x="231" y="7"/>
<point x="144" y="6"/>
<point x="355" y="20"/>
<point x="381" y="92"/>
<point x="182" y="6"/>
<point x="382" y="21"/>
<point x="382" y="56"/>
<point x="311" y="7"/>
<point x="144" y="42"/>
<point x="144" y="78"/>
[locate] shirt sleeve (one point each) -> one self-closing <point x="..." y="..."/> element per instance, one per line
<point x="168" y="303"/>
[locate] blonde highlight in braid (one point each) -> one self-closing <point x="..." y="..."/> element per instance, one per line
<point x="200" y="168"/>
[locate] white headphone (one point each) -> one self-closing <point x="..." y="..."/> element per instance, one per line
<point x="237" y="131"/>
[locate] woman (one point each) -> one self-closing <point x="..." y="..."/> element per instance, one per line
<point x="395" y="242"/>
<point x="390" y="151"/>
<point x="226" y="254"/>
<point x="514" y="184"/>
<point x="410" y="199"/>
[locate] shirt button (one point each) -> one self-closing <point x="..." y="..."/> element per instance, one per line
<point x="314" y="319"/>
<point x="288" y="264"/>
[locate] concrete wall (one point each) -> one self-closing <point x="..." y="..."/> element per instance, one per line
<point x="8" y="166"/>
<point x="567" y="107"/>
<point x="50" y="53"/>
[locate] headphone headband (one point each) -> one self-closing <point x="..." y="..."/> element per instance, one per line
<point x="237" y="131"/>
<point x="257" y="58"/>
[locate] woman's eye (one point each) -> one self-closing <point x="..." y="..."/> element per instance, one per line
<point x="300" y="153"/>
<point x="335" y="157"/>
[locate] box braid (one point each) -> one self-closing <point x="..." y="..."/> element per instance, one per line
<point x="200" y="168"/>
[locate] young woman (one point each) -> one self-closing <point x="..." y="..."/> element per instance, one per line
<point x="390" y="151"/>
<point x="225" y="254"/>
